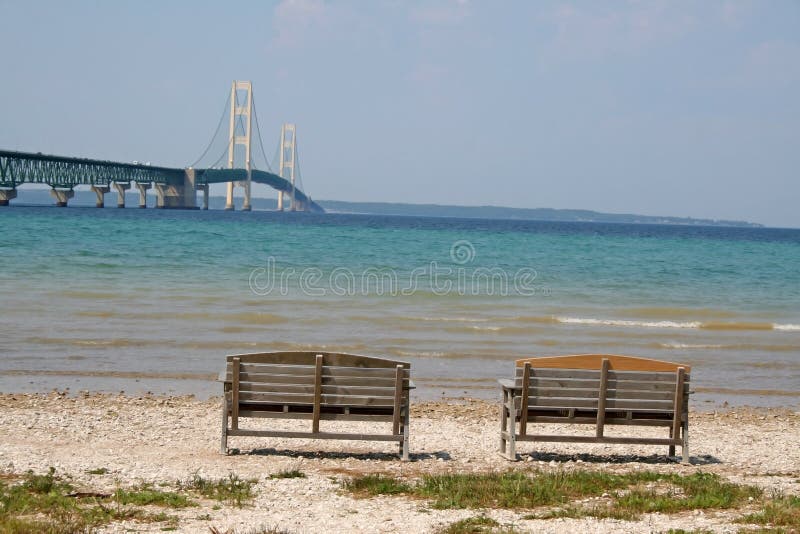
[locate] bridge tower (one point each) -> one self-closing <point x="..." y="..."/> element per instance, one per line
<point x="288" y="156"/>
<point x="240" y="115"/>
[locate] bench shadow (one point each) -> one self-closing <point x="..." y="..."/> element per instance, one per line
<point x="342" y="455"/>
<point x="705" y="459"/>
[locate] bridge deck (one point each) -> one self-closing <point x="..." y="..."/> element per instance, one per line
<point x="64" y="172"/>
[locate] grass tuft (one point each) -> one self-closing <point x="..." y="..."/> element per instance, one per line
<point x="98" y="471"/>
<point x="480" y="524"/>
<point x="45" y="484"/>
<point x="699" y="491"/>
<point x="232" y="490"/>
<point x="256" y="530"/>
<point x="294" y="473"/>
<point x="780" y="512"/>
<point x="146" y="495"/>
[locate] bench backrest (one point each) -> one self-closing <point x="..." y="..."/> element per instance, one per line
<point x="318" y="379"/>
<point x="293" y="377"/>
<point x="602" y="381"/>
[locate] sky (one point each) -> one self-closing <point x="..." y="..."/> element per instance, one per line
<point x="649" y="107"/>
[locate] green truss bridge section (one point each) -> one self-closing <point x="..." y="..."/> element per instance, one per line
<point x="17" y="168"/>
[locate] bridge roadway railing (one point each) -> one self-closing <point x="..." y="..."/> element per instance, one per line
<point x="64" y="172"/>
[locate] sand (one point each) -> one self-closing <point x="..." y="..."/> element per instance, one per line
<point x="165" y="439"/>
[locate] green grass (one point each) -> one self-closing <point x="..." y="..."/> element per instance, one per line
<point x="511" y="489"/>
<point x="232" y="490"/>
<point x="780" y="511"/>
<point x="42" y="504"/>
<point x="699" y="491"/>
<point x="98" y="471"/>
<point x="257" y="530"/>
<point x="476" y="525"/>
<point x="294" y="473"/>
<point x="631" y="494"/>
<point x="146" y="495"/>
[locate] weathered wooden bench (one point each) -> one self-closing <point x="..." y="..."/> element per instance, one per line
<point x="318" y="386"/>
<point x="600" y="390"/>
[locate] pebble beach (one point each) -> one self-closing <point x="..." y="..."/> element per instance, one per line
<point x="132" y="440"/>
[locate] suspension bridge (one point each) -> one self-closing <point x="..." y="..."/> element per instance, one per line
<point x="229" y="158"/>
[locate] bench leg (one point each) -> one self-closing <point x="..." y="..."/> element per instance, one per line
<point x="671" y="447"/>
<point x="685" y="444"/>
<point x="503" y="422"/>
<point x="404" y="443"/>
<point x="224" y="443"/>
<point x="511" y="452"/>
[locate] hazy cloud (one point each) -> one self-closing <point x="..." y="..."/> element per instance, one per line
<point x="442" y="13"/>
<point x="293" y="19"/>
<point x="591" y="31"/>
<point x="772" y="64"/>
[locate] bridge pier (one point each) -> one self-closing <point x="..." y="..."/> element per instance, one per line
<point x="121" y="187"/>
<point x="142" y="194"/>
<point x="280" y="200"/>
<point x="204" y="189"/>
<point x="100" y="191"/>
<point x="229" y="198"/>
<point x="6" y="195"/>
<point x="246" y="205"/>
<point x="178" y="196"/>
<point x="62" y="196"/>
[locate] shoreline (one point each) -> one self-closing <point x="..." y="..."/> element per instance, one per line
<point x="204" y="386"/>
<point x="162" y="439"/>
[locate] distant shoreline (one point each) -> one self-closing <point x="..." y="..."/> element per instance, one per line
<point x="87" y="198"/>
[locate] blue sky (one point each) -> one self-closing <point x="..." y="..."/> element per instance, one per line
<point x="660" y="108"/>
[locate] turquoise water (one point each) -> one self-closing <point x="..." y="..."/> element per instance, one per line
<point x="147" y="300"/>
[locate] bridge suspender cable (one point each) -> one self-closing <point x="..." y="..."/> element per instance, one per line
<point x="258" y="133"/>
<point x="216" y="132"/>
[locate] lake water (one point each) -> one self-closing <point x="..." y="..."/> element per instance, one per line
<point x="152" y="300"/>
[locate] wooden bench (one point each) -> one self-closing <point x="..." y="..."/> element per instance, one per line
<point x="600" y="390"/>
<point x="318" y="386"/>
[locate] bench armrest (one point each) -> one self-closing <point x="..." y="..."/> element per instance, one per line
<point x="411" y="385"/>
<point x="507" y="384"/>
<point x="222" y="376"/>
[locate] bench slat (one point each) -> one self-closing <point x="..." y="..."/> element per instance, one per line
<point x="595" y="375"/>
<point x="378" y="418"/>
<point x="604" y="439"/>
<point x="299" y="398"/>
<point x="611" y="393"/>
<point x="327" y="371"/>
<point x="308" y="358"/>
<point x="255" y="387"/>
<point x="326" y="380"/>
<point x="666" y="422"/>
<point x="592" y="361"/>
<point x="567" y="402"/>
<point x="638" y="385"/>
<point x="315" y="435"/>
